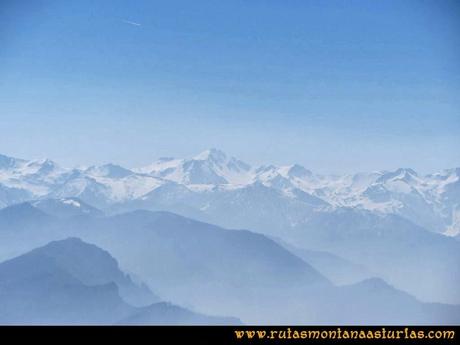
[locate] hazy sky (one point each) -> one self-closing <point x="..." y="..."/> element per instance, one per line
<point x="337" y="86"/>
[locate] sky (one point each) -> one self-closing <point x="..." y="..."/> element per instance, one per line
<point x="338" y="86"/>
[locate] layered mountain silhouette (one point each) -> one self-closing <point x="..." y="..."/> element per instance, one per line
<point x="207" y="268"/>
<point x="314" y="238"/>
<point x="73" y="282"/>
<point x="404" y="254"/>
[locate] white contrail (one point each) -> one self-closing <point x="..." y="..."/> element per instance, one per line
<point x="130" y="22"/>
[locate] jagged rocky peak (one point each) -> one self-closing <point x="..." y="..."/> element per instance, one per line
<point x="299" y="171"/>
<point x="42" y="167"/>
<point x="212" y="154"/>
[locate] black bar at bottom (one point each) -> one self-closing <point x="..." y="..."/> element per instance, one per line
<point x="237" y="334"/>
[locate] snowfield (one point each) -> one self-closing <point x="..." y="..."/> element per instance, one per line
<point x="212" y="178"/>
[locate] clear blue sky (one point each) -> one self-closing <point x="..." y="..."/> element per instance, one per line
<point x="338" y="86"/>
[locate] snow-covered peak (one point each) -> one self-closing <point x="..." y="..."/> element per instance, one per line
<point x="266" y="169"/>
<point x="109" y="170"/>
<point x="401" y="174"/>
<point x="41" y="167"/>
<point x="214" y="155"/>
<point x="221" y="160"/>
<point x="430" y="201"/>
<point x="361" y="180"/>
<point x="283" y="176"/>
<point x="7" y="162"/>
<point x="296" y="171"/>
<point x="237" y="165"/>
<point x="210" y="167"/>
<point x="160" y="166"/>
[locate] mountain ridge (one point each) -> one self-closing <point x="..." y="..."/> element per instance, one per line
<point x="73" y="282"/>
<point x="204" y="185"/>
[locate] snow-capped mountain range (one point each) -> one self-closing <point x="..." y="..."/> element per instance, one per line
<point x="210" y="183"/>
